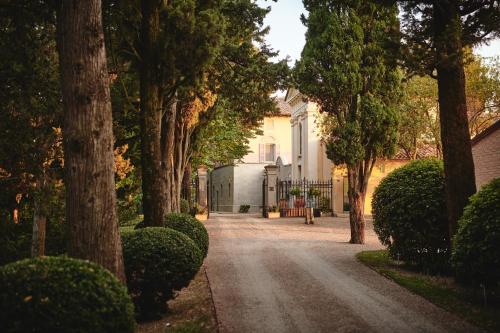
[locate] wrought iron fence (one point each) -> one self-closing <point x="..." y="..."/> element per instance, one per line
<point x="294" y="196"/>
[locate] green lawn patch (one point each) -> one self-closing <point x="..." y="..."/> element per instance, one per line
<point x="441" y="291"/>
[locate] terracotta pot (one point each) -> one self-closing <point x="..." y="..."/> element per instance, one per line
<point x="273" y="215"/>
<point x="201" y="217"/>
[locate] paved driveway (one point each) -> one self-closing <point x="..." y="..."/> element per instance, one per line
<point x="284" y="276"/>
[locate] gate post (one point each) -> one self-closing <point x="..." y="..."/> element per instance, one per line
<point x="272" y="178"/>
<point x="202" y="187"/>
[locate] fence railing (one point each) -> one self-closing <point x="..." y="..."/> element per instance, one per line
<point x="294" y="196"/>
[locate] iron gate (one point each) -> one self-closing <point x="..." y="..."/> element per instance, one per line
<point x="294" y="196"/>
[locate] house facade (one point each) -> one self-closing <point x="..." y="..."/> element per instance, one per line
<point x="309" y="159"/>
<point x="486" y="153"/>
<point x="241" y="183"/>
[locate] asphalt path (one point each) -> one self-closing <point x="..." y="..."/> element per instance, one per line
<point x="285" y="276"/>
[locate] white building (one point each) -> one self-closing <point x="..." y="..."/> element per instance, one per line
<point x="309" y="158"/>
<point x="241" y="183"/>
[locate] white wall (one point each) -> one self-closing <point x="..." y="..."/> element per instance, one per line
<point x="248" y="186"/>
<point x="276" y="130"/>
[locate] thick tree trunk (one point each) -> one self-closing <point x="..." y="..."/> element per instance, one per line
<point x="357" y="203"/>
<point x="186" y="184"/>
<point x="88" y="137"/>
<point x="167" y="139"/>
<point x="39" y="220"/>
<point x="151" y="116"/>
<point x="457" y="151"/>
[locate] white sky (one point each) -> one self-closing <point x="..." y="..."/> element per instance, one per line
<point x="287" y="32"/>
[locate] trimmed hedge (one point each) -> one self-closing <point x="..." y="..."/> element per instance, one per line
<point x="60" y="294"/>
<point x="158" y="261"/>
<point x="476" y="254"/>
<point x="409" y="215"/>
<point x="191" y="227"/>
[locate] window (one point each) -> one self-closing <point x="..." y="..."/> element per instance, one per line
<point x="270" y="152"/>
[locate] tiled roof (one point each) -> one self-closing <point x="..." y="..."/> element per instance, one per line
<point x="283" y="107"/>
<point x="486" y="132"/>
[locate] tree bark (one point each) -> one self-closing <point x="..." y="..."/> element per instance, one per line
<point x="153" y="198"/>
<point x="88" y="137"/>
<point x="39" y="220"/>
<point x="167" y="141"/>
<point x="457" y="151"/>
<point x="356" y="203"/>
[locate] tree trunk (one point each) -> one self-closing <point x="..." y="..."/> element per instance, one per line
<point x="88" y="137"/>
<point x="167" y="140"/>
<point x="186" y="184"/>
<point x="456" y="145"/>
<point x="153" y="199"/>
<point x="357" y="203"/>
<point x="39" y="220"/>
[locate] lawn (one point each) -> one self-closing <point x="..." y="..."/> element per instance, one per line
<point x="440" y="290"/>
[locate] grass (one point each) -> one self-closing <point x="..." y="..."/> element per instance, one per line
<point x="441" y="291"/>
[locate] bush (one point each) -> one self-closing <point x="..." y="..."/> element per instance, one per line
<point x="191" y="227"/>
<point x="15" y="240"/>
<point x="476" y="254"/>
<point x="184" y="206"/>
<point x="410" y="217"/>
<point x="158" y="261"/>
<point x="59" y="294"/>
<point x="244" y="208"/>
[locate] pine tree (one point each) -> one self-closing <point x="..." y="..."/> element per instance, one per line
<point x="348" y="67"/>
<point x="88" y="137"/>
<point x="436" y="33"/>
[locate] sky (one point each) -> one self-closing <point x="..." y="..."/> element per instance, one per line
<point x="287" y="32"/>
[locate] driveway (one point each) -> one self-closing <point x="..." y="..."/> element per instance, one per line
<point x="285" y="276"/>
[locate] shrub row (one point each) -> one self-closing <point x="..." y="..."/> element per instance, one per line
<point x="410" y="219"/>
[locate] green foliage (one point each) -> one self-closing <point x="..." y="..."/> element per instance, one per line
<point x="158" y="261"/>
<point x="476" y="253"/>
<point x="324" y="204"/>
<point x="191" y="227"/>
<point x="273" y="209"/>
<point x="15" y="240"/>
<point x="244" y="209"/>
<point x="314" y="192"/>
<point x="409" y="215"/>
<point x="296" y="191"/>
<point x="184" y="206"/>
<point x="59" y="294"/>
<point x="348" y="68"/>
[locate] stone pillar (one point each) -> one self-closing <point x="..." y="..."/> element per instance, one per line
<point x="202" y="186"/>
<point x="272" y="178"/>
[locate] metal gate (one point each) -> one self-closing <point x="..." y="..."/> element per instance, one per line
<point x="294" y="196"/>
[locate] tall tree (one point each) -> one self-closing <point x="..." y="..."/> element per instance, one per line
<point x="30" y="112"/>
<point x="435" y="34"/>
<point x="349" y="69"/>
<point x="88" y="136"/>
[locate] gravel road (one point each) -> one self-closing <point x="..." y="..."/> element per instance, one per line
<point x="285" y="276"/>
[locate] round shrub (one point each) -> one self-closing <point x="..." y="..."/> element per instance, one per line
<point x="190" y="226"/>
<point x="409" y="215"/>
<point x="476" y="253"/>
<point x="184" y="206"/>
<point x="60" y="294"/>
<point x="158" y="261"/>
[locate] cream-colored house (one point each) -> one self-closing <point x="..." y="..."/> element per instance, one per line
<point x="309" y="158"/>
<point x="241" y="183"/>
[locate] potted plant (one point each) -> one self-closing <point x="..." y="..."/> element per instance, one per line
<point x="324" y="206"/>
<point x="299" y="198"/>
<point x="200" y="213"/>
<point x="273" y="212"/>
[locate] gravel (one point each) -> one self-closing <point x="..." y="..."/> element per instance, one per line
<point x="284" y="276"/>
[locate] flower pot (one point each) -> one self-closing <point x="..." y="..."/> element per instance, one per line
<point x="273" y="215"/>
<point x="299" y="202"/>
<point x="201" y="217"/>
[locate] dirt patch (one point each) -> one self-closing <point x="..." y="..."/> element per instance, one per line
<point x="191" y="311"/>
